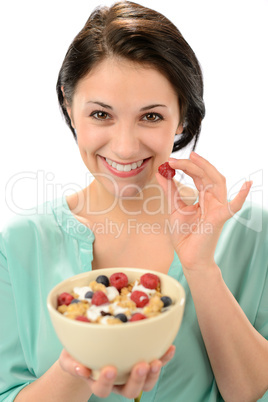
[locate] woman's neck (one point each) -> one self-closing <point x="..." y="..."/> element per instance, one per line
<point x="150" y="202"/>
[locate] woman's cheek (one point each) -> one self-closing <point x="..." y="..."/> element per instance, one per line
<point x="164" y="143"/>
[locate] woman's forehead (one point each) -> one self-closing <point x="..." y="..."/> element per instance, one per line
<point x="120" y="77"/>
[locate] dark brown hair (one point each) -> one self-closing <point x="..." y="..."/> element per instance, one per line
<point x="131" y="31"/>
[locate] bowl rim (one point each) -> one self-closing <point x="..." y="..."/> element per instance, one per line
<point x="53" y="310"/>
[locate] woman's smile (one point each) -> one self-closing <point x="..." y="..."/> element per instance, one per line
<point x="124" y="169"/>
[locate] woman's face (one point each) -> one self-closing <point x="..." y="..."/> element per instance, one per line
<point x="126" y="116"/>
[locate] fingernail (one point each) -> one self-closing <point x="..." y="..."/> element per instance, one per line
<point x="172" y="353"/>
<point x="247" y="184"/>
<point x="110" y="375"/>
<point x="79" y="371"/>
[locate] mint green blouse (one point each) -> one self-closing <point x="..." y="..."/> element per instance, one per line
<point x="39" y="250"/>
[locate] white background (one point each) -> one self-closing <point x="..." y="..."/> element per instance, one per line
<point x="38" y="157"/>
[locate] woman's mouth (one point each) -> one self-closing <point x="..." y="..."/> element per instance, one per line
<point x="126" y="169"/>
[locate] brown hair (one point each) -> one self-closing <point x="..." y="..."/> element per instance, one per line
<point x="142" y="35"/>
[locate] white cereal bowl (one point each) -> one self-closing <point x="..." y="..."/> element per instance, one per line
<point x="122" y="346"/>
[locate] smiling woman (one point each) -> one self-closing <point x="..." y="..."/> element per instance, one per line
<point x="132" y="132"/>
<point x="131" y="91"/>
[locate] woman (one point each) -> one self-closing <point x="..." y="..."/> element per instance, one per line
<point x="130" y="88"/>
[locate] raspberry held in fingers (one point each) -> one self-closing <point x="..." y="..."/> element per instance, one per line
<point x="166" y="171"/>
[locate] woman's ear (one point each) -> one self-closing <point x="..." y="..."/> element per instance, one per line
<point x="179" y="128"/>
<point x="68" y="108"/>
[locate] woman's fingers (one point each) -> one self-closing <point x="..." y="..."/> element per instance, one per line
<point x="155" y="368"/>
<point x="171" y="191"/>
<point x="205" y="176"/>
<point x="105" y="383"/>
<point x="153" y="375"/>
<point x="187" y="167"/>
<point x="236" y="204"/>
<point x="168" y="355"/>
<point x="144" y="376"/>
<point x="209" y="169"/>
<point x="71" y="366"/>
<point x="102" y="387"/>
<point x="135" y="382"/>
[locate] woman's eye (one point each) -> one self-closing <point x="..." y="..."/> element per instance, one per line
<point x="152" y="117"/>
<point x="100" y="115"/>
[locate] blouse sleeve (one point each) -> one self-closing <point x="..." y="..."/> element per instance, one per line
<point x="14" y="374"/>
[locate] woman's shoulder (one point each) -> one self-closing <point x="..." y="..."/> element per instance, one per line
<point x="30" y="218"/>
<point x="33" y="222"/>
<point x="50" y="221"/>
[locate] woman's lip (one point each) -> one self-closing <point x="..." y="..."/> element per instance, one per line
<point x="131" y="173"/>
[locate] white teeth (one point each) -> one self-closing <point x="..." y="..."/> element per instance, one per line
<point x="124" y="168"/>
<point x="127" y="168"/>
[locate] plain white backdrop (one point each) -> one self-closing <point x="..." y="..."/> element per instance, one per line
<point x="39" y="159"/>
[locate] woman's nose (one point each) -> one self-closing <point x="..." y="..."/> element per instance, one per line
<point x="125" y="142"/>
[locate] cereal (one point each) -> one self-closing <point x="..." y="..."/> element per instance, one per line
<point x="115" y="305"/>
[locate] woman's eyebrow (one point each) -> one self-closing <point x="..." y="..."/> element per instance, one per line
<point x="100" y="104"/>
<point x="152" y="106"/>
<point x="110" y="107"/>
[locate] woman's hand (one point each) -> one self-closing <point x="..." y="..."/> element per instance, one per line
<point x="143" y="376"/>
<point x="195" y="229"/>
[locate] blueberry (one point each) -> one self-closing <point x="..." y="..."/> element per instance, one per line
<point x="166" y="300"/>
<point x="103" y="280"/>
<point x="75" y="301"/>
<point x="121" y="317"/>
<point x="89" y="295"/>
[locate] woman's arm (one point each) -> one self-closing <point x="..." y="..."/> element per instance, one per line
<point x="237" y="352"/>
<point x="56" y="385"/>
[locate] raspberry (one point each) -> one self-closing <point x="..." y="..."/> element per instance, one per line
<point x="99" y="298"/>
<point x="137" y="317"/>
<point x="119" y="280"/>
<point x="149" y="281"/>
<point x="82" y="318"/>
<point x="140" y="298"/>
<point x="65" y="298"/>
<point x="166" y="171"/>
